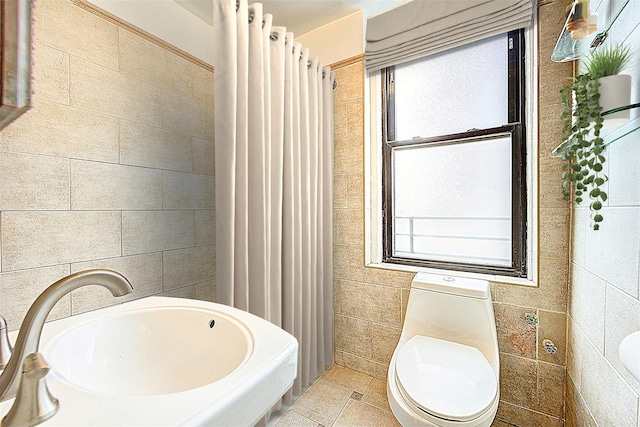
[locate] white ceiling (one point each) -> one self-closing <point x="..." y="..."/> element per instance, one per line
<point x="299" y="16"/>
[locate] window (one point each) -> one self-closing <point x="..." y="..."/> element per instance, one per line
<point x="454" y="177"/>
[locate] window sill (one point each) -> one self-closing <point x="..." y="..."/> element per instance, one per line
<point x="489" y="277"/>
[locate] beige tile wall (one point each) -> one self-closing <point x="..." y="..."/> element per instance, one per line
<point x="369" y="302"/>
<point x="111" y="168"/>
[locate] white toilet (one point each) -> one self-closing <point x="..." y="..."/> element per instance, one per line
<point x="445" y="370"/>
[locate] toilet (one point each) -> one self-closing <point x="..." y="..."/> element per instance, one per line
<point x="445" y="370"/>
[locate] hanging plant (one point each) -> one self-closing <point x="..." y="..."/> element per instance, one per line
<point x="582" y="147"/>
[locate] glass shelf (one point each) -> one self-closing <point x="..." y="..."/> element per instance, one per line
<point x="568" y="49"/>
<point x="610" y="135"/>
<point x="619" y="132"/>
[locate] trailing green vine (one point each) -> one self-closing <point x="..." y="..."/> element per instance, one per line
<point x="583" y="147"/>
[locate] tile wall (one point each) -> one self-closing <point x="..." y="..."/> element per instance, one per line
<point x="605" y="292"/>
<point x="113" y="167"/>
<point x="370" y="302"/>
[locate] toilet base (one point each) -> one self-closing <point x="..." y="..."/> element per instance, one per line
<point x="409" y="418"/>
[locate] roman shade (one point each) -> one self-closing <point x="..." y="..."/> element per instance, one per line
<point x="423" y="27"/>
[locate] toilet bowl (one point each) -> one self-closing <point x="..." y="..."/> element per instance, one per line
<point x="445" y="370"/>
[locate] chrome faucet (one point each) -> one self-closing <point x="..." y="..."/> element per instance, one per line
<point x="5" y="347"/>
<point x="34" y="404"/>
<point x="28" y="339"/>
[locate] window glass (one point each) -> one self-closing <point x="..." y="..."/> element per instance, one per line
<point x="453" y="91"/>
<point x="453" y="202"/>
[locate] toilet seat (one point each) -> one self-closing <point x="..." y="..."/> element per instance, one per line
<point x="445" y="379"/>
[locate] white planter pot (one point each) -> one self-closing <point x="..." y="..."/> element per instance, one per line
<point x="615" y="91"/>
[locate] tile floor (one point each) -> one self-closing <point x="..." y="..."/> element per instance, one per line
<point x="341" y="397"/>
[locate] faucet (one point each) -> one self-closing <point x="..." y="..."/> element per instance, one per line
<point x="31" y="329"/>
<point x="34" y="404"/>
<point x="5" y="347"/>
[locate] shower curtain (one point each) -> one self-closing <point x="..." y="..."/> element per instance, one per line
<point x="273" y="159"/>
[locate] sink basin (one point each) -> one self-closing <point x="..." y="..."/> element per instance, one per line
<point x="161" y="361"/>
<point x="150" y="351"/>
<point x="629" y="352"/>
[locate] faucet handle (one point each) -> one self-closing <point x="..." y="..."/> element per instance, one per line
<point x="5" y="345"/>
<point x="33" y="403"/>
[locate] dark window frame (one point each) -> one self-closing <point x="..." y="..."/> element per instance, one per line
<point x="516" y="127"/>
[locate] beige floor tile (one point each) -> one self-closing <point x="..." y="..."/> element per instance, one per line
<point x="323" y="402"/>
<point x="345" y="377"/>
<point x="362" y="415"/>
<point x="376" y="394"/>
<point x="293" y="419"/>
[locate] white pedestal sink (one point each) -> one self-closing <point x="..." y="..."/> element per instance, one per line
<point x="163" y="361"/>
<point x="630" y="354"/>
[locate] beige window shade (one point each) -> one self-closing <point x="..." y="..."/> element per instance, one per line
<point x="423" y="27"/>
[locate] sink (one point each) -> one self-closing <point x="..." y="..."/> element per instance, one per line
<point x="161" y="361"/>
<point x="150" y="351"/>
<point x="629" y="352"/>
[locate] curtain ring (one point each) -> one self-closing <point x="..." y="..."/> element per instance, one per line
<point x="251" y="15"/>
<point x="301" y="55"/>
<point x="324" y="74"/>
<point x="274" y="37"/>
<point x="309" y="64"/>
<point x="237" y="5"/>
<point x="335" y="84"/>
<point x="263" y="23"/>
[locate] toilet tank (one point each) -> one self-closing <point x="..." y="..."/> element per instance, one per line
<point x="452" y="308"/>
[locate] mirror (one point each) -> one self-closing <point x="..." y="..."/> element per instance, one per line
<point x="15" y="89"/>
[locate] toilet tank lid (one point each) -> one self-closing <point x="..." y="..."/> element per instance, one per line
<point x="456" y="285"/>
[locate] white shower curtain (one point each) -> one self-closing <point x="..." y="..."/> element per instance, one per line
<point x="273" y="149"/>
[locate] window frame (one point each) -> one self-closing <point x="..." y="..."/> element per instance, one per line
<point x="517" y="114"/>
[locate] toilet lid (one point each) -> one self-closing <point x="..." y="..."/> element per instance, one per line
<point x="446" y="379"/>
